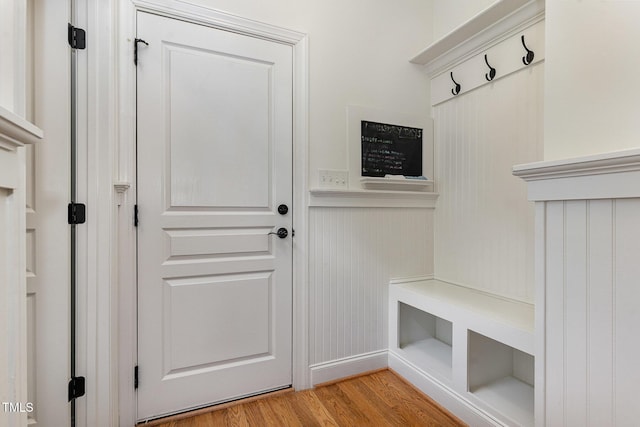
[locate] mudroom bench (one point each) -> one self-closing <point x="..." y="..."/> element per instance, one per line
<point x="470" y="350"/>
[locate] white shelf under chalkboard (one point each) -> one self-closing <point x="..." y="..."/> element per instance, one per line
<point x="333" y="197"/>
<point x="402" y="184"/>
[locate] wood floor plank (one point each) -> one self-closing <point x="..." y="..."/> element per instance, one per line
<point x="302" y="412"/>
<point x="285" y="412"/>
<point x="320" y="413"/>
<point x="378" y="399"/>
<point x="341" y="406"/>
<point x="394" y="392"/>
<point x="370" y="403"/>
<point x="254" y="416"/>
<point x="390" y="397"/>
<point x="268" y="415"/>
<point x="236" y="416"/>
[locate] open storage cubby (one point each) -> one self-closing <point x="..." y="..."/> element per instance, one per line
<point x="425" y="338"/>
<point x="502" y="377"/>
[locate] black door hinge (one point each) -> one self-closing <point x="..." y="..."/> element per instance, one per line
<point x="135" y="377"/>
<point x="135" y="215"/>
<point x="135" y="50"/>
<point x="77" y="37"/>
<point x="76" y="213"/>
<point x="76" y="388"/>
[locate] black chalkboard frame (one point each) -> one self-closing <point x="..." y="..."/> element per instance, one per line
<point x="390" y="149"/>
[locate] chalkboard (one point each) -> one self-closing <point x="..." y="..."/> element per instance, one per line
<point x="390" y="150"/>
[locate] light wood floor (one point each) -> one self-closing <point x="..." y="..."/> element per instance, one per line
<point x="377" y="399"/>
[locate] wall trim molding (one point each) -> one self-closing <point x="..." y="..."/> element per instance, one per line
<point x="396" y="280"/>
<point x="488" y="28"/>
<point x="15" y="131"/>
<point x="600" y="176"/>
<point x="348" y="366"/>
<point x="444" y="395"/>
<point x="598" y="164"/>
<point x="215" y="18"/>
<point x="321" y="197"/>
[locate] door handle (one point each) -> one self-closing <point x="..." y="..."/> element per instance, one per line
<point x="281" y="233"/>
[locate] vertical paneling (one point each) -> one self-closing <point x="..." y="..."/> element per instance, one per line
<point x="555" y="309"/>
<point x="626" y="312"/>
<point x="484" y="225"/>
<point x="591" y="312"/>
<point x="600" y="309"/>
<point x="353" y="252"/>
<point x="575" y="311"/>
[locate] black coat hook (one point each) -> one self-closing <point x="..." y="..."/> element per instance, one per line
<point x="492" y="71"/>
<point x="528" y="59"/>
<point x="456" y="90"/>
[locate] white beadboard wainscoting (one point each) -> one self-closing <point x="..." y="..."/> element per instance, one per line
<point x="587" y="289"/>
<point x="353" y="252"/>
<point x="484" y="224"/>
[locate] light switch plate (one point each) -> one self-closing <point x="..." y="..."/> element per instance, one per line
<point x="333" y="178"/>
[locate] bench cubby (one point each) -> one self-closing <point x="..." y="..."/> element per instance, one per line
<point x="501" y="378"/>
<point x="425" y="338"/>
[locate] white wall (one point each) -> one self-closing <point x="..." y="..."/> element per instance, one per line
<point x="450" y="14"/>
<point x="359" y="52"/>
<point x="591" y="77"/>
<point x="12" y="50"/>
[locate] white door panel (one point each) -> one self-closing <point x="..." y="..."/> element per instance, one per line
<point x="234" y="168"/>
<point x="214" y="163"/>
<point x="196" y="303"/>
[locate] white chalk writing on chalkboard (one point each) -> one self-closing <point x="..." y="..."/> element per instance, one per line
<point x="390" y="149"/>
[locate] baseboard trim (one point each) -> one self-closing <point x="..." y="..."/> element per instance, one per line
<point x="441" y="393"/>
<point x="322" y="373"/>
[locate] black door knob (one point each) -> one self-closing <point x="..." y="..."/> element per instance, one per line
<point x="281" y="233"/>
<point x="283" y="209"/>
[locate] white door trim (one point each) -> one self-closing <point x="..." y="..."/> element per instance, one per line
<point x="125" y="181"/>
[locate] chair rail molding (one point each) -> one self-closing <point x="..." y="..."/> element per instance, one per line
<point x="15" y="131"/>
<point x="607" y="175"/>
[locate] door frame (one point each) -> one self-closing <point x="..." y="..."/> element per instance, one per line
<point x="125" y="183"/>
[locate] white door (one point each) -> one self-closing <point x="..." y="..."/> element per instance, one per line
<point x="214" y="164"/>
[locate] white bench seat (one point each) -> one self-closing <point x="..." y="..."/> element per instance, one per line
<point x="508" y="321"/>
